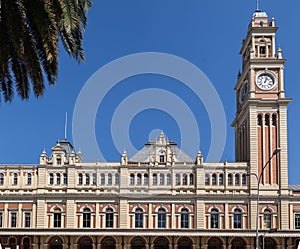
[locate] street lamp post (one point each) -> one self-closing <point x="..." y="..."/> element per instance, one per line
<point x="258" y="178"/>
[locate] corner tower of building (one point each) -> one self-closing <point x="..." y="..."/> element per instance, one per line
<point x="261" y="118"/>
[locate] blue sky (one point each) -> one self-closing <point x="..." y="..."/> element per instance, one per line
<point x="207" y="34"/>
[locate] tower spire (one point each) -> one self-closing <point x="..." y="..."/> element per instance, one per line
<point x="66" y="120"/>
<point x="257" y="8"/>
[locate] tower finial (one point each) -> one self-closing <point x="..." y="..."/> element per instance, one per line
<point x="257" y="9"/>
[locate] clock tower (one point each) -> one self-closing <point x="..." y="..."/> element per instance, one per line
<point x="261" y="118"/>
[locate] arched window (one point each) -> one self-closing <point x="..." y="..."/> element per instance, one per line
<point x="191" y="179"/>
<point x="108" y="243"/>
<point x="87" y="179"/>
<point x="86" y="217"/>
<point x="184" y="179"/>
<point x="214" y="218"/>
<point x="214" y="179"/>
<point x="139" y="218"/>
<point x="117" y="179"/>
<point x="58" y="178"/>
<point x="85" y="243"/>
<point x="109" y="179"/>
<point x="29" y="179"/>
<point x="65" y="175"/>
<point x="102" y="179"/>
<point x="184" y="221"/>
<point x="244" y="179"/>
<point x="139" y="179"/>
<point x="138" y="243"/>
<point x="238" y="243"/>
<point x="177" y="179"/>
<point x="214" y="243"/>
<point x="1" y="178"/>
<point x="51" y="179"/>
<point x="80" y="179"/>
<point x="185" y="243"/>
<point x="161" y="179"/>
<point x="26" y="243"/>
<point x="269" y="243"/>
<point x="230" y="179"/>
<point x="259" y="118"/>
<point x="15" y="178"/>
<point x="56" y="243"/>
<point x="109" y="217"/>
<point x="168" y="179"/>
<point x="161" y="218"/>
<point x="94" y="179"/>
<point x="274" y="120"/>
<point x="131" y="179"/>
<point x="267" y="120"/>
<point x="57" y="218"/>
<point x="237" y="218"/>
<point x="206" y="179"/>
<point x="267" y="218"/>
<point x="221" y="179"/>
<point x="297" y="220"/>
<point x="146" y="179"/>
<point x="237" y="179"/>
<point x="154" y="179"/>
<point x="161" y="243"/>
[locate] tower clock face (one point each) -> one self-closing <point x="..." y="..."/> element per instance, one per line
<point x="265" y="81"/>
<point x="244" y="91"/>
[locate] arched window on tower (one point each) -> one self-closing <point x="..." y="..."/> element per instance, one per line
<point x="161" y="179"/>
<point x="274" y="120"/>
<point x="259" y="118"/>
<point x="87" y="179"/>
<point x="168" y="179"/>
<point x="267" y="120"/>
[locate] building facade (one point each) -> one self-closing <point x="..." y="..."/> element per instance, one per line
<point x="161" y="198"/>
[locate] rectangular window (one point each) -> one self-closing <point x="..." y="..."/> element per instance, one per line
<point x="65" y="178"/>
<point x="297" y="221"/>
<point x="27" y="219"/>
<point x="94" y="179"/>
<point x="87" y="179"/>
<point x="1" y="219"/>
<point x="57" y="220"/>
<point x="237" y="221"/>
<point x="267" y="220"/>
<point x="13" y="219"/>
